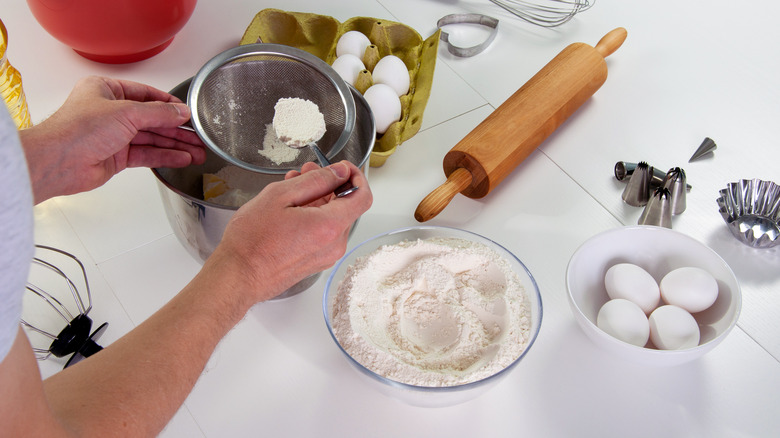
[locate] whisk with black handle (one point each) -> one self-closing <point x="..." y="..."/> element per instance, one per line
<point x="75" y="338"/>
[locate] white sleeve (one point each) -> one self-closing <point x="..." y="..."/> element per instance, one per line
<point x="16" y="230"/>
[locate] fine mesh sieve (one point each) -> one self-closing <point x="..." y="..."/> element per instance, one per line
<point x="233" y="95"/>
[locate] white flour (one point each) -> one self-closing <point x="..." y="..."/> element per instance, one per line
<point x="435" y="312"/>
<point x="298" y="122"/>
<point x="233" y="186"/>
<point x="275" y="149"/>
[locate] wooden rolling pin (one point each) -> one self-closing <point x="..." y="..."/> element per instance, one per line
<point x="482" y="159"/>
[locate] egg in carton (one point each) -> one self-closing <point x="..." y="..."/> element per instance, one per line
<point x="320" y="34"/>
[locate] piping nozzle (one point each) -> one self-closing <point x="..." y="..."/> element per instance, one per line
<point x="675" y="183"/>
<point x="637" y="191"/>
<point x="706" y="146"/>
<point x="624" y="170"/>
<point x="658" y="210"/>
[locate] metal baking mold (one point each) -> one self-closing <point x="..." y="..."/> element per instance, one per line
<point x="482" y="20"/>
<point x="751" y="209"/>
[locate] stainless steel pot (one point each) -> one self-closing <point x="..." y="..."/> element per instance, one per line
<point x="199" y="224"/>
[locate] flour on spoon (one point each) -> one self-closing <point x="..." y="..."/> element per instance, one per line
<point x="298" y="122"/>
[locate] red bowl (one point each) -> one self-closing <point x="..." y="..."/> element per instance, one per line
<point x="116" y="31"/>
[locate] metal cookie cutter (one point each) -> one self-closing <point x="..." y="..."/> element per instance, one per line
<point x="482" y="20"/>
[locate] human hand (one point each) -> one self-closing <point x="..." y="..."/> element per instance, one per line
<point x="292" y="229"/>
<point x="105" y="126"/>
<point x="308" y="167"/>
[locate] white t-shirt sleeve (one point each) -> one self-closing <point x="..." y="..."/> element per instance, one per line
<point x="16" y="231"/>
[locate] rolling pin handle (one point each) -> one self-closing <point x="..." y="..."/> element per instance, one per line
<point x="434" y="203"/>
<point x="611" y="41"/>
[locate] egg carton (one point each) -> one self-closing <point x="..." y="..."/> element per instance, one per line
<point x="319" y="34"/>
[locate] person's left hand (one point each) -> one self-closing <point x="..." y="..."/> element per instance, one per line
<point x="105" y="126"/>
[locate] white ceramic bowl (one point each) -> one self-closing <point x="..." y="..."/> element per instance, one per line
<point x="429" y="396"/>
<point x="658" y="250"/>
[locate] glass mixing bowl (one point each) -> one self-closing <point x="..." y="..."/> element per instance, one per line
<point x="431" y="396"/>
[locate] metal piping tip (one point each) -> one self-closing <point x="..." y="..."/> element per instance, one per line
<point x="658" y="211"/>
<point x="707" y="146"/>
<point x="637" y="191"/>
<point x="624" y="169"/>
<point x="675" y="183"/>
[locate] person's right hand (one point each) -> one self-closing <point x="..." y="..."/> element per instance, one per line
<point x="292" y="229"/>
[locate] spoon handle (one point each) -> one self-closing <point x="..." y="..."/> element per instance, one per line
<point x="342" y="190"/>
<point x="345" y="189"/>
<point x="320" y="156"/>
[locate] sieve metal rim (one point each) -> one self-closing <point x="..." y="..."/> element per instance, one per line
<point x="296" y="54"/>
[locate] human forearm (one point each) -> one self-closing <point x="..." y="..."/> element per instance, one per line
<point x="289" y="231"/>
<point x="134" y="386"/>
<point x="44" y="153"/>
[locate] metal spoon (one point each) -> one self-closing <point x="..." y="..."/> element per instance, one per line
<point x="291" y="137"/>
<point x="342" y="190"/>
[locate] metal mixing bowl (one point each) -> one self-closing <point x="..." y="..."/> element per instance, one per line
<point x="199" y="224"/>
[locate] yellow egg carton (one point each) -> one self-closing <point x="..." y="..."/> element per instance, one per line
<point x="319" y="34"/>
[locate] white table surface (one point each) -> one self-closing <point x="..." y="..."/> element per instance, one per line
<point x="688" y="70"/>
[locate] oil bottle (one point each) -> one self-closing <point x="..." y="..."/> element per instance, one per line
<point x="11" y="85"/>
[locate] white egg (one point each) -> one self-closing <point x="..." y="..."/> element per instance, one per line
<point x="624" y="320"/>
<point x="673" y="328"/>
<point x="352" y="42"/>
<point x="631" y="282"/>
<point x="693" y="289"/>
<point x="348" y="66"/>
<point x="391" y="70"/>
<point x="385" y="106"/>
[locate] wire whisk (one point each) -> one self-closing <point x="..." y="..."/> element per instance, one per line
<point x="75" y="338"/>
<point x="545" y="13"/>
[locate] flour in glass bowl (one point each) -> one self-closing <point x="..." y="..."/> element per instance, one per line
<point x="433" y="312"/>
